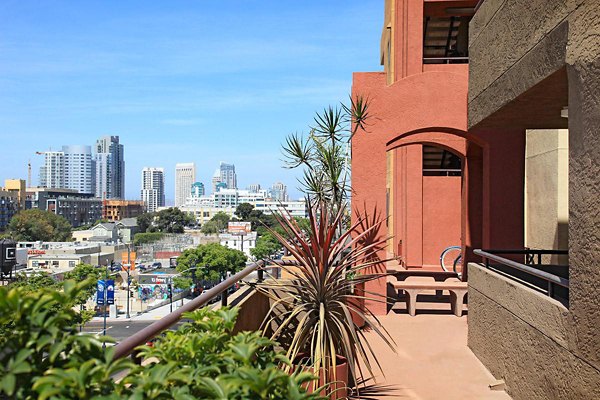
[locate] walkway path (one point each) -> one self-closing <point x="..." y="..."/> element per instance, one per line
<point x="432" y="360"/>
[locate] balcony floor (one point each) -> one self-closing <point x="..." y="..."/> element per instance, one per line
<point x="432" y="360"/>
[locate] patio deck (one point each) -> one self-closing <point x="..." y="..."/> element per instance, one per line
<point x="432" y="360"/>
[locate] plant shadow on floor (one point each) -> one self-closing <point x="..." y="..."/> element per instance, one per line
<point x="370" y="390"/>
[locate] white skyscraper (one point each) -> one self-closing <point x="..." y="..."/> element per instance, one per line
<point x="153" y="188"/>
<point x="52" y="173"/>
<point x="279" y="192"/>
<point x="185" y="176"/>
<point x="254" y="188"/>
<point x="110" y="168"/>
<point x="79" y="168"/>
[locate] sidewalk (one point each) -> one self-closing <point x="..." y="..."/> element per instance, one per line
<point x="152" y="315"/>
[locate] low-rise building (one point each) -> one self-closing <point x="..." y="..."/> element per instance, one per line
<point x="116" y="210"/>
<point x="203" y="208"/>
<point x="9" y="206"/>
<point x="241" y="241"/>
<point x="57" y="257"/>
<point x="78" y="208"/>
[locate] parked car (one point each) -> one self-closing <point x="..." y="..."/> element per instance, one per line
<point x="157" y="265"/>
<point x="141" y="267"/>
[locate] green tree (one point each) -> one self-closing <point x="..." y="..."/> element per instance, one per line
<point x="212" y="260"/>
<point x="221" y="220"/>
<point x="33" y="225"/>
<point x="266" y="246"/>
<point x="144" y="221"/>
<point x="243" y="211"/>
<point x="170" y="220"/>
<point x="209" y="228"/>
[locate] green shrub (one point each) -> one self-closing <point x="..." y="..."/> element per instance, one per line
<point x="147" y="237"/>
<point x="42" y="356"/>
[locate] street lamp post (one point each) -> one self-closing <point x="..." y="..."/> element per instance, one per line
<point x="128" y="280"/>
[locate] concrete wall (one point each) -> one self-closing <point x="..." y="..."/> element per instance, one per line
<point x="523" y="337"/>
<point x="522" y="75"/>
<point x="547" y="191"/>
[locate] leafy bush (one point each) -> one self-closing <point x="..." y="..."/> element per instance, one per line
<point x="147" y="237"/>
<point x="43" y="357"/>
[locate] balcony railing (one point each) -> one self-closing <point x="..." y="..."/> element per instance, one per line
<point x="550" y="279"/>
<point x="445" y="60"/>
<point x="127" y="346"/>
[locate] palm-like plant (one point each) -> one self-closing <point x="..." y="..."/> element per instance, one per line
<point x="324" y="154"/>
<point x="311" y="312"/>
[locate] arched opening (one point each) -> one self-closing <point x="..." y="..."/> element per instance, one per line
<point x="425" y="202"/>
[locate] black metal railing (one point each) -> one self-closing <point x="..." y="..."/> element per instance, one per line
<point x="127" y="346"/>
<point x="550" y="279"/>
<point x="445" y="60"/>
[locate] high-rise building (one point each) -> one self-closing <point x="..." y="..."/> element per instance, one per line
<point x="228" y="175"/>
<point x="153" y="188"/>
<point x="79" y="168"/>
<point x="185" y="176"/>
<point x="110" y="168"/>
<point x="197" y="189"/>
<point x="216" y="179"/>
<point x="254" y="188"/>
<point x="52" y="173"/>
<point x="279" y="192"/>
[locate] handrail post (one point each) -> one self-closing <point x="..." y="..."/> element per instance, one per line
<point x="261" y="274"/>
<point x="224" y="298"/>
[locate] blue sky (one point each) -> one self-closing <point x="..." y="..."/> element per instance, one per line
<point x="178" y="81"/>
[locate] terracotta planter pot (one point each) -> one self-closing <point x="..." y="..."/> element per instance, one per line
<point x="338" y="388"/>
<point x="358" y="303"/>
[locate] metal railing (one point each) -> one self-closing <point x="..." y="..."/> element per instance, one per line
<point x="445" y="60"/>
<point x="127" y="346"/>
<point x="550" y="279"/>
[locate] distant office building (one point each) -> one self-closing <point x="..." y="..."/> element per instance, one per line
<point x="185" y="176"/>
<point x="79" y="168"/>
<point x="17" y="186"/>
<point x="78" y="208"/>
<point x="153" y="188"/>
<point x="197" y="189"/>
<point x="117" y="210"/>
<point x="228" y="175"/>
<point x="110" y="168"/>
<point x="216" y="179"/>
<point x="254" y="188"/>
<point x="52" y="173"/>
<point x="279" y="192"/>
<point x="9" y="205"/>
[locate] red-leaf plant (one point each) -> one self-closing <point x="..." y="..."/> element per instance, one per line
<point x="310" y="313"/>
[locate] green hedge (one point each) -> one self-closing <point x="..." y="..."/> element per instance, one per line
<point x="150" y="237"/>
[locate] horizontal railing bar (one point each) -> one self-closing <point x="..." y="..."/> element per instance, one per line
<point x="525" y="268"/>
<point x="444" y="58"/>
<point x="525" y="251"/>
<point x="127" y="346"/>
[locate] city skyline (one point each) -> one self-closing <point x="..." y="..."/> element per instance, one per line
<point x="145" y="74"/>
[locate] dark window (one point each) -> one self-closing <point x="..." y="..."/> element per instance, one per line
<point x="440" y="162"/>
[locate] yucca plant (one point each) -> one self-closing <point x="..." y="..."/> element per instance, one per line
<point x="324" y="154"/>
<point x="311" y="312"/>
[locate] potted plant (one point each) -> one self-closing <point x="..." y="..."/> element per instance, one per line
<point x="311" y="313"/>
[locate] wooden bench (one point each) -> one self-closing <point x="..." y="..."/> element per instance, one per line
<point x="412" y="288"/>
